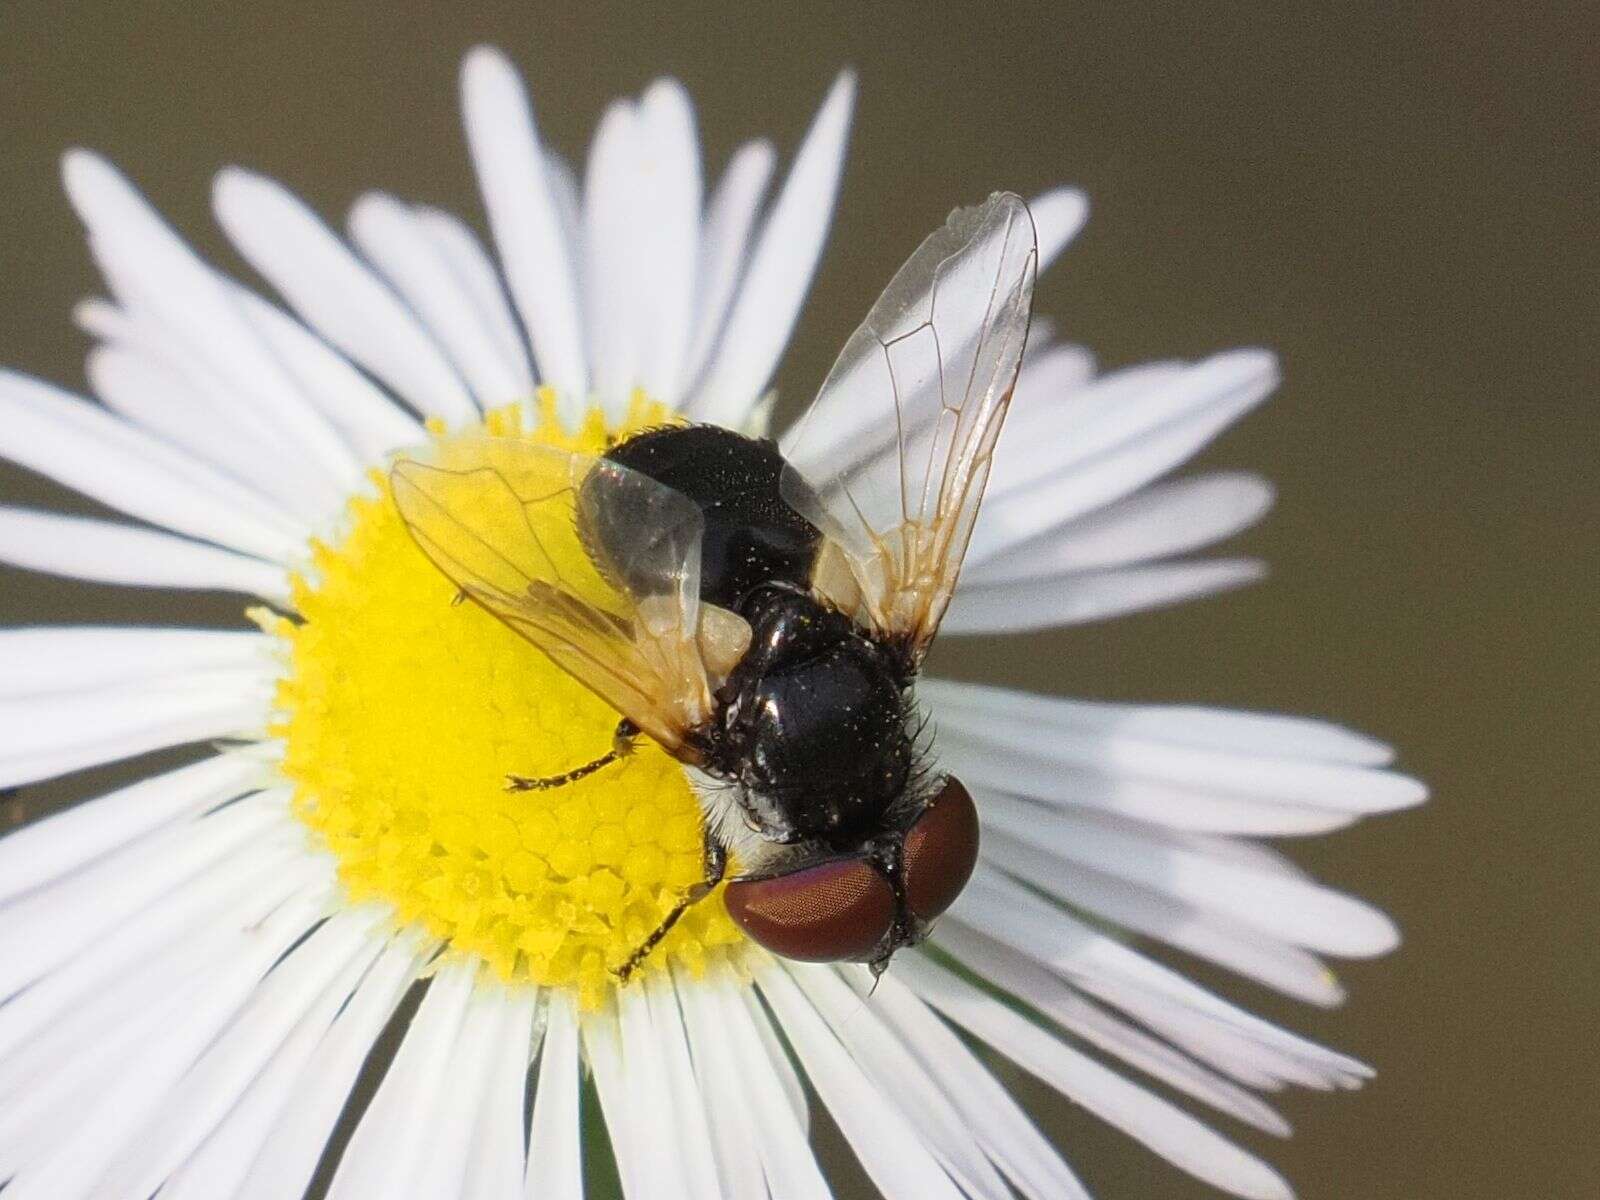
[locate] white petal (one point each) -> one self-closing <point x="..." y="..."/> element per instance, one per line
<point x="1294" y="910"/>
<point x="901" y="1080"/>
<point x="496" y="1161"/>
<point x="393" y="1139"/>
<point x="65" y="658"/>
<point x="724" y="244"/>
<point x="223" y="1073"/>
<point x="734" y="1129"/>
<point x="455" y="1105"/>
<point x="1074" y="598"/>
<point x="48" y="849"/>
<point x="87" y="449"/>
<point x="195" y="311"/>
<point x="1055" y="999"/>
<point x="1058" y="215"/>
<point x="888" y="1147"/>
<point x="687" y="1111"/>
<point x="46" y="927"/>
<point x="221" y="1165"/>
<point x="1166" y="519"/>
<point x="471" y="264"/>
<point x="336" y="294"/>
<point x="373" y="423"/>
<point x="1007" y="1134"/>
<point x="524" y="217"/>
<point x="1168" y="1131"/>
<point x="1206" y="749"/>
<point x="118" y="1110"/>
<point x="629" y="1124"/>
<point x="396" y="241"/>
<point x="555" y="1161"/>
<point x="289" y="1157"/>
<point x="46" y="736"/>
<point x="781" y="267"/>
<point x="670" y="246"/>
<point x="105" y="552"/>
<point x="612" y="219"/>
<point x="155" y="396"/>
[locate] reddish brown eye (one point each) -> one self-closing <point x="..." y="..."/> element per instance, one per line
<point x="941" y="850"/>
<point x="839" y="909"/>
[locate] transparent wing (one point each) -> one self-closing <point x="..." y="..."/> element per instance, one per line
<point x="891" y="460"/>
<point x="597" y="565"/>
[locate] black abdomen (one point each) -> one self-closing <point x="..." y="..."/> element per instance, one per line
<point x="751" y="537"/>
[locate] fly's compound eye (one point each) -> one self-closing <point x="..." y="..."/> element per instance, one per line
<point x="941" y="849"/>
<point x="839" y="909"/>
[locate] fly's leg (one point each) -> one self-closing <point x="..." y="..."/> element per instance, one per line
<point x="716" y="866"/>
<point x="621" y="747"/>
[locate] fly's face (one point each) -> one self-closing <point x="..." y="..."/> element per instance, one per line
<point x="864" y="906"/>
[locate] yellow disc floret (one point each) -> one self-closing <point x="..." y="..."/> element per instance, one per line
<point x="401" y="713"/>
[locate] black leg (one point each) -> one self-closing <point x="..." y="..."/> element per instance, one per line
<point x="716" y="865"/>
<point x="621" y="747"/>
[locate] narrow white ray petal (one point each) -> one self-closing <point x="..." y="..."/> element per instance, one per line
<point x="496" y="1159"/>
<point x="567" y="197"/>
<point x="733" y="1130"/>
<point x="1205" y="749"/>
<point x="393" y="1140"/>
<point x="454" y="1106"/>
<point x="50" y="848"/>
<point x="373" y="423"/>
<point x="1169" y="518"/>
<point x="781" y="267"/>
<point x="46" y="736"/>
<point x="889" y="1148"/>
<point x="1297" y="911"/>
<point x="612" y="235"/>
<point x="476" y="272"/>
<point x="221" y="1164"/>
<point x="122" y="1106"/>
<point x="1152" y="993"/>
<point x="787" y="1158"/>
<point x="1078" y="597"/>
<point x="1172" y="806"/>
<point x="670" y="164"/>
<point x="1051" y="372"/>
<point x="177" y="944"/>
<point x="1055" y="999"/>
<point x="64" y="658"/>
<point x="899" y="1077"/>
<point x="782" y="1065"/>
<point x="1170" y="1132"/>
<point x="106" y="552"/>
<point x="539" y="265"/>
<point x="724" y="242"/>
<point x="157" y="397"/>
<point x="1004" y="1130"/>
<point x="288" y="1158"/>
<point x="227" y="1068"/>
<point x="394" y="240"/>
<point x="555" y="1150"/>
<point x="693" y="1137"/>
<point x="335" y="293"/>
<point x="46" y="927"/>
<point x="1245" y="950"/>
<point x="628" y="1129"/>
<point x="659" y="1132"/>
<point x="67" y="994"/>
<point x="1058" y="215"/>
<point x="87" y="449"/>
<point x="195" y="308"/>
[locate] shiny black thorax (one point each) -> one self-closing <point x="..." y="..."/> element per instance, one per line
<point x="814" y="721"/>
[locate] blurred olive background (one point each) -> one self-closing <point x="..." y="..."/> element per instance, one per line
<point x="1400" y="199"/>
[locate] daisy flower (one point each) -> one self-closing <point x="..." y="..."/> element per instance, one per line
<point x="194" y="969"/>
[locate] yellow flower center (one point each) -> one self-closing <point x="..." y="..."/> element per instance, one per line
<point x="401" y="713"/>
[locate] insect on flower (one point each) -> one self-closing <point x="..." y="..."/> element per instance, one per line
<point x="763" y="615"/>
